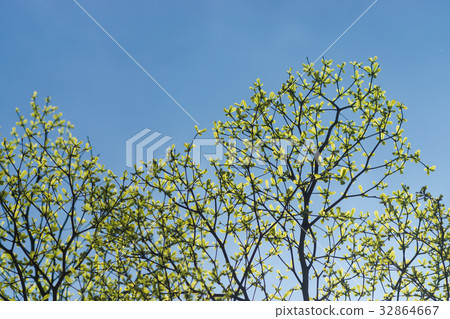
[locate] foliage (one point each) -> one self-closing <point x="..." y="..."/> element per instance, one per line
<point x="51" y="201"/>
<point x="408" y="247"/>
<point x="268" y="222"/>
<point x="275" y="220"/>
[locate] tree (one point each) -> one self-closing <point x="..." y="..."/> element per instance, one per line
<point x="275" y="220"/>
<point x="52" y="199"/>
<point x="409" y="247"/>
<point x="269" y="222"/>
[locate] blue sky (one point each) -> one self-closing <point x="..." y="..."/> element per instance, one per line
<point x="207" y="54"/>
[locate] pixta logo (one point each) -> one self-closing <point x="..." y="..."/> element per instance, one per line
<point x="142" y="146"/>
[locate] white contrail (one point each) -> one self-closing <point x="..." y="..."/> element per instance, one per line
<point x="136" y="62"/>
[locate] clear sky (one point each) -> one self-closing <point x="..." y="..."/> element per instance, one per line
<point x="207" y="54"/>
